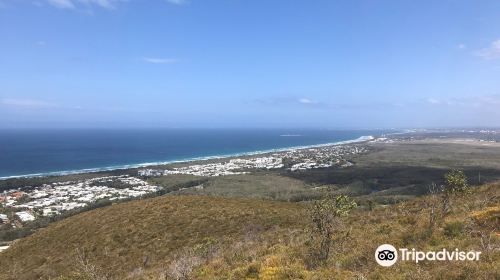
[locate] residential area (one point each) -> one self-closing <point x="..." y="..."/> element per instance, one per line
<point x="52" y="199"/>
<point x="293" y="160"/>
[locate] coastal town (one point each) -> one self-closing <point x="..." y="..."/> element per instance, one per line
<point x="232" y="167"/>
<point x="293" y="160"/>
<point x="55" y="198"/>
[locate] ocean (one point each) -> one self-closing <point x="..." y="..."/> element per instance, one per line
<point x="51" y="152"/>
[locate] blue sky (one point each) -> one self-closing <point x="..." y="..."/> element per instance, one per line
<point x="236" y="63"/>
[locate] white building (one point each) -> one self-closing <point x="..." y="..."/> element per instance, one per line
<point x="25" y="216"/>
<point x="3" y="218"/>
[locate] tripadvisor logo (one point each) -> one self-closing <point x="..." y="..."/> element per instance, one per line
<point x="387" y="255"/>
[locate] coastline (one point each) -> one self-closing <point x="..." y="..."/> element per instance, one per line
<point x="360" y="139"/>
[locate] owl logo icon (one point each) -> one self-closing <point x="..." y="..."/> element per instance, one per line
<point x="386" y="255"/>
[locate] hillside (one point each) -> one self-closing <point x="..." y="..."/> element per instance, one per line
<point x="119" y="238"/>
<point x="201" y="237"/>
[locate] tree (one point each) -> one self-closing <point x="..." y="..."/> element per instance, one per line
<point x="455" y="184"/>
<point x="326" y="217"/>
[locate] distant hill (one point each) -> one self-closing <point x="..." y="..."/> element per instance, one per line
<point x="203" y="237"/>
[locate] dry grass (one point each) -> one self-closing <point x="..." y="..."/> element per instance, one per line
<point x="199" y="237"/>
<point x="403" y="225"/>
<point x="120" y="237"/>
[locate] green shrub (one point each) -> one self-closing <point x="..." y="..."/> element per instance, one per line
<point x="454" y="229"/>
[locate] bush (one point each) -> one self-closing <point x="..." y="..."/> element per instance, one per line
<point x="182" y="266"/>
<point x="454" y="229"/>
<point x="456" y="185"/>
<point x="456" y="182"/>
<point x="326" y="216"/>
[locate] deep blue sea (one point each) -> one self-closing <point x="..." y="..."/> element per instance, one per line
<point x="42" y="152"/>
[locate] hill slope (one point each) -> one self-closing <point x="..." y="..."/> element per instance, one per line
<point x="122" y="237"/>
<point x="200" y="237"/>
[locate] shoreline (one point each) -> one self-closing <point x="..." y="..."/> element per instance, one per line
<point x="360" y="139"/>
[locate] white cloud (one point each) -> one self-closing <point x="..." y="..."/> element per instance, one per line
<point x="177" y="2"/>
<point x="26" y="103"/>
<point x="312" y="103"/>
<point x="433" y="101"/>
<point x="62" y="4"/>
<point x="482" y="101"/>
<point x="489" y="99"/>
<point x="37" y="104"/>
<point x="107" y="4"/>
<point x="156" y="60"/>
<point x="461" y="46"/>
<point x="72" y="4"/>
<point x="306" y="101"/>
<point x="491" y="52"/>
